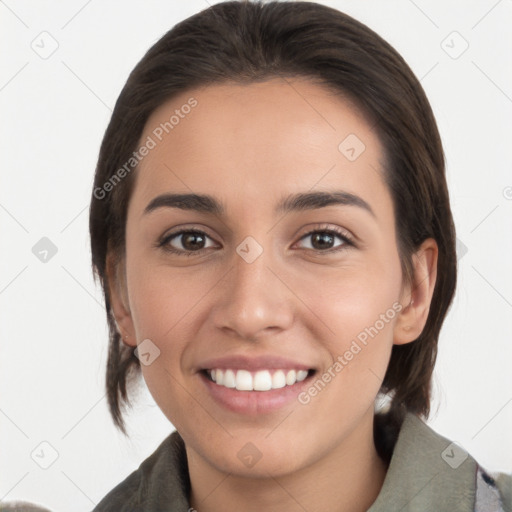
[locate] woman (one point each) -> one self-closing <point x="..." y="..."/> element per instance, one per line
<point x="271" y="225"/>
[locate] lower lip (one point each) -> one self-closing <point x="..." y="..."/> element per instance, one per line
<point x="254" y="402"/>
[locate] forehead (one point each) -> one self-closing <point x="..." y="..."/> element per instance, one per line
<point x="258" y="141"/>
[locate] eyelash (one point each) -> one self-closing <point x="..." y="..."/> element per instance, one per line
<point x="347" y="241"/>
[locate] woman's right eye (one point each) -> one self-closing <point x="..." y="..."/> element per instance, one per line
<point x="186" y="242"/>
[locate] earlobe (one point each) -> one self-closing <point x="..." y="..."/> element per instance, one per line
<point x="119" y="301"/>
<point x="418" y="295"/>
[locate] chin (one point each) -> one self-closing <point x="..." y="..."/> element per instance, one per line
<point x="255" y="456"/>
<point x="269" y="465"/>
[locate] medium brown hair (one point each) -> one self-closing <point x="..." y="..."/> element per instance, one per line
<point x="246" y="42"/>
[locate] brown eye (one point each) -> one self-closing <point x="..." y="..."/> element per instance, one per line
<point x="324" y="240"/>
<point x="192" y="241"/>
<point x="186" y="242"/>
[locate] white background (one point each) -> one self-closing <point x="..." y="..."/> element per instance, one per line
<point x="53" y="328"/>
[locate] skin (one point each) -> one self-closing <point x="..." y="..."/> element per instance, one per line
<point x="250" y="145"/>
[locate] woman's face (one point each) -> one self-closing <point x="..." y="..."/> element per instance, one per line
<point x="287" y="276"/>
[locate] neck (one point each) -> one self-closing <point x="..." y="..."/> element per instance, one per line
<point x="348" y="479"/>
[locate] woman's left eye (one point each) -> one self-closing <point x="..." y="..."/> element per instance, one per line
<point x="323" y="240"/>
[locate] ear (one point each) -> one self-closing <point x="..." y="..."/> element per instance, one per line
<point x="417" y="296"/>
<point x="116" y="282"/>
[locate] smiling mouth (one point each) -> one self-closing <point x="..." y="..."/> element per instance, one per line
<point x="262" y="380"/>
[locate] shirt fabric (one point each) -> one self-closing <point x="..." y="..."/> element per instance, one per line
<point x="427" y="472"/>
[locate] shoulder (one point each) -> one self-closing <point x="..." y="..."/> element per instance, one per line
<point x="429" y="472"/>
<point x="161" y="480"/>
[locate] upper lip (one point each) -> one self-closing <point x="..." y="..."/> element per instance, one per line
<point x="264" y="362"/>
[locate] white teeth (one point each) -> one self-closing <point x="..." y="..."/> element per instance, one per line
<point x="262" y="380"/>
<point x="301" y="375"/>
<point x="243" y="380"/>
<point x="278" y="380"/>
<point x="229" y="379"/>
<point x="291" y="377"/>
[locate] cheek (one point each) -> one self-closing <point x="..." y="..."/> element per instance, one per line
<point x="162" y="306"/>
<point x="354" y="310"/>
<point x="361" y="319"/>
<point x="360" y="309"/>
<point x="353" y="299"/>
<point x="161" y="298"/>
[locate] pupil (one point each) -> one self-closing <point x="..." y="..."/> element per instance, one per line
<point x="188" y="241"/>
<point x="324" y="240"/>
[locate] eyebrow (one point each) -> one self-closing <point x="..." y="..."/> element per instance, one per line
<point x="294" y="203"/>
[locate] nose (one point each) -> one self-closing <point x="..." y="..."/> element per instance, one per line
<point x="253" y="300"/>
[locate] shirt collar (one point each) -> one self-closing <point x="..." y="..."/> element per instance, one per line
<point x="426" y="472"/>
